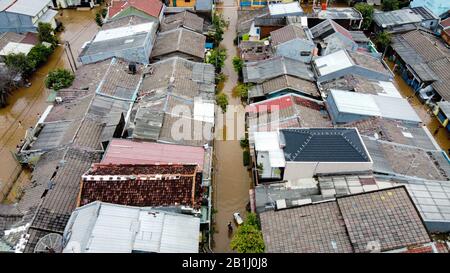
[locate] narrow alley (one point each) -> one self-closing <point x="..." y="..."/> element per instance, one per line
<point x="232" y="180"/>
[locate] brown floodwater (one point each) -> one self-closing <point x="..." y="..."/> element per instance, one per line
<point x="232" y="181"/>
<point x="26" y="104"/>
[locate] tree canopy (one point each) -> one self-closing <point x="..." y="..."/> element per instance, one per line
<point x="248" y="238"/>
<point x="389" y="5"/>
<point x="45" y="34"/>
<point x="58" y="79"/>
<point x="222" y="101"/>
<point x="367" y="13"/>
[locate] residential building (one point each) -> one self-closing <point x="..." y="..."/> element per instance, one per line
<point x="438" y="7"/>
<point x="444" y="30"/>
<point x="149" y="9"/>
<point x="294" y="42"/>
<point x="252" y="51"/>
<point x="344" y="63"/>
<point x="75" y="3"/>
<point x="109" y="228"/>
<point x="422" y="59"/>
<point x="378" y="221"/>
<point x="179" y="42"/>
<point x="349" y="18"/>
<point x="285" y="9"/>
<point x="295" y="154"/>
<point x="404" y="20"/>
<point x="132" y="43"/>
<point x="442" y="112"/>
<point x="345" y="106"/>
<point x="22" y="16"/>
<point x="185" y="19"/>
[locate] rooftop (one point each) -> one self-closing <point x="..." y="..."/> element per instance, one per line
<point x="284" y="9"/>
<point x="143" y="185"/>
<point x="396" y="17"/>
<point x="324" y="145"/>
<point x="349" y="224"/>
<point x="282" y="83"/>
<point x="328" y="27"/>
<point x="277" y="66"/>
<point x="287" y="33"/>
<point x="7" y="37"/>
<point x="125" y="21"/>
<point x="184" y="19"/>
<point x="150" y="7"/>
<point x="252" y="51"/>
<point x="339" y="13"/>
<point x="101" y="227"/>
<point x="27" y="7"/>
<point x="124" y="151"/>
<point x="179" y="40"/>
<point x="15" y="48"/>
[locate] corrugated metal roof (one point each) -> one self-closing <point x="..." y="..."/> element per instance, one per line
<point x="101" y="227"/>
<point x="396" y="17"/>
<point x="29" y="7"/>
<point x="285" y="9"/>
<point x="122" y="151"/>
<point x="333" y="62"/>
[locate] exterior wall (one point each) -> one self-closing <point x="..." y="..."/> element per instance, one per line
<point x="297" y="170"/>
<point x="294" y="48"/>
<point x="266" y="30"/>
<point x="338" y="117"/>
<point x="437" y="226"/>
<point x="13" y="22"/>
<point x="182" y="3"/>
<point x="253" y="3"/>
<point x="431" y="24"/>
<point x="445" y="37"/>
<point x="356" y="70"/>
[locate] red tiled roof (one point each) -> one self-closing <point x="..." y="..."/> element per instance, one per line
<point x="151" y="7"/>
<point x="122" y="151"/>
<point x="281" y="103"/>
<point x="143" y="185"/>
<point x="445" y="23"/>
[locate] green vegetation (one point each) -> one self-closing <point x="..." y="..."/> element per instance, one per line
<point x="244" y="143"/>
<point x="222" y="101"/>
<point x="383" y="40"/>
<point x="219" y="25"/>
<point x="46" y="34"/>
<point x="367" y="13"/>
<point x="39" y="54"/>
<point x="248" y="238"/>
<point x="104" y="12"/>
<point x="98" y="19"/>
<point x="389" y="5"/>
<point x="7" y="85"/>
<point x="246" y="157"/>
<point x="241" y="90"/>
<point x="217" y="58"/>
<point x="19" y="63"/>
<point x="58" y="79"/>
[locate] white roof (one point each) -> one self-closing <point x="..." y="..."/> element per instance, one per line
<point x="203" y="111"/>
<point x="15" y="48"/>
<point x="4" y="4"/>
<point x="101" y="227"/>
<point x="388" y="89"/>
<point x="333" y="62"/>
<point x="269" y="142"/>
<point x="121" y="32"/>
<point x="373" y="105"/>
<point x="29" y="7"/>
<point x="281" y="8"/>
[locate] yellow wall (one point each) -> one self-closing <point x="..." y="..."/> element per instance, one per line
<point x="182" y="3"/>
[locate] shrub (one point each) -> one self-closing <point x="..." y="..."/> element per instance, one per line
<point x="246" y="157"/>
<point x="19" y="63"/>
<point x="45" y="34"/>
<point x="39" y="54"/>
<point x="217" y="58"/>
<point x="244" y="143"/>
<point x="367" y="13"/>
<point x="219" y="25"/>
<point x="222" y="101"/>
<point x="389" y="5"/>
<point x="58" y="79"/>
<point x="98" y="19"/>
<point x="248" y="238"/>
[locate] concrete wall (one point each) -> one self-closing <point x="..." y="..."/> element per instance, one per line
<point x="356" y="70"/>
<point x="297" y="170"/>
<point x="293" y="49"/>
<point x="13" y="22"/>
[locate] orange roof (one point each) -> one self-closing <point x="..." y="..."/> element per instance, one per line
<point x="151" y="7"/>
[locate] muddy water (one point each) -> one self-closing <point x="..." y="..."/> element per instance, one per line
<point x="26" y="103"/>
<point x="441" y="136"/>
<point x="232" y="180"/>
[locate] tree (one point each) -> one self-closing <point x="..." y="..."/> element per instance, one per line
<point x="98" y="19"/>
<point x="367" y="13"/>
<point x="45" y="34"/>
<point x="248" y="238"/>
<point x="19" y="63"/>
<point x="219" y="25"/>
<point x="242" y="90"/>
<point x="389" y="5"/>
<point x="58" y="79"/>
<point x="222" y="101"/>
<point x="383" y="40"/>
<point x="238" y="63"/>
<point x="38" y="55"/>
<point x="217" y="58"/>
<point x="7" y="85"/>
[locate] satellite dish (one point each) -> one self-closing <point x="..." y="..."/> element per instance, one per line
<point x="50" y="243"/>
<point x="266" y="42"/>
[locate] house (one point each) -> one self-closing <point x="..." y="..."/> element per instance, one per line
<point x="421" y="60"/>
<point x="285" y="9"/>
<point x="246" y="19"/>
<point x="179" y="42"/>
<point x="132" y="43"/>
<point x="278" y="76"/>
<point x="186" y="19"/>
<point x="331" y="37"/>
<point x="345" y="106"/>
<point x="149" y="9"/>
<point x="252" y="51"/>
<point x="293" y="41"/>
<point x="204" y="8"/>
<point x="389" y="221"/>
<point x="144" y="185"/>
<point x="101" y="227"/>
<point x="444" y="28"/>
<point x="343" y="63"/>
<point x="22" y="16"/>
<point x="75" y="3"/>
<point x="175" y="92"/>
<point x="297" y="154"/>
<point x="442" y="112"/>
<point x="438" y="7"/>
<point x="262" y="26"/>
<point x="404" y="20"/>
<point x="349" y="18"/>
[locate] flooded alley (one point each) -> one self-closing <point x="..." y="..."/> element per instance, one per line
<point x="232" y="181"/>
<point x="26" y="104"/>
